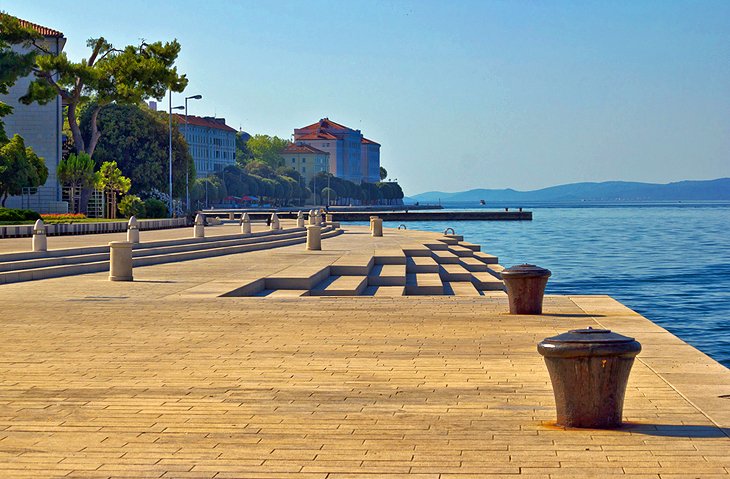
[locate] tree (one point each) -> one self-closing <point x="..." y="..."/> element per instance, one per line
<point x="267" y="149"/>
<point x="243" y="154"/>
<point x="329" y="193"/>
<point x="13" y="63"/>
<point x="383" y="173"/>
<point x="137" y="138"/>
<point x="20" y="168"/>
<point x="77" y="173"/>
<point x="132" y="205"/>
<point x="111" y="180"/>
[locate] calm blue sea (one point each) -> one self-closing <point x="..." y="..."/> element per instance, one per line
<point x="669" y="262"/>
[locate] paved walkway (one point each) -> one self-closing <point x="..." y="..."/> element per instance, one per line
<point x="101" y="379"/>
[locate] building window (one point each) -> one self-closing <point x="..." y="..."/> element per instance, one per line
<point x="293" y="161"/>
<point x="304" y="169"/>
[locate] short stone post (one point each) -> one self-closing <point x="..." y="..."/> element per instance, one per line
<point x="275" y="224"/>
<point x="199" y="228"/>
<point x="300" y="219"/>
<point x="312" y="220"/>
<point x="120" y="261"/>
<point x="314" y="237"/>
<point x="40" y="242"/>
<point x="133" y="230"/>
<point x="371" y="222"/>
<point x="245" y="224"/>
<point x="377" y="227"/>
<point x="328" y="217"/>
<point x="231" y="216"/>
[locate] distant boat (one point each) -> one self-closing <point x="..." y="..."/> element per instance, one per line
<point x="482" y="202"/>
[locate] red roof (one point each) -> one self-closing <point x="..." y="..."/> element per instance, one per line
<point x="303" y="148"/>
<point x="368" y="142"/>
<point x="317" y="135"/>
<point x="325" y="123"/>
<point x="206" y="122"/>
<point x="45" y="31"/>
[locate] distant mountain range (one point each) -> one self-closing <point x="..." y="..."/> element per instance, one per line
<point x="718" y="189"/>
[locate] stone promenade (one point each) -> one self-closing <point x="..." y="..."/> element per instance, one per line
<point x="163" y="378"/>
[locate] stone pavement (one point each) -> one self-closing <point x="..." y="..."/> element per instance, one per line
<point x="101" y="379"/>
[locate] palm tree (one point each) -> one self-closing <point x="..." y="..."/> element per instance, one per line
<point x="77" y="173"/>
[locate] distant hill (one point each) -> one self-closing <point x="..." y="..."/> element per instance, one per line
<point x="607" y="191"/>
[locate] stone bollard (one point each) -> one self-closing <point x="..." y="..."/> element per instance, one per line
<point x="377" y="227"/>
<point x="199" y="228"/>
<point x="300" y="220"/>
<point x="589" y="369"/>
<point x="245" y="224"/>
<point x="275" y="224"/>
<point x="133" y="230"/>
<point x="40" y="241"/>
<point x="231" y="216"/>
<point x="321" y="218"/>
<point x="328" y="217"/>
<point x="120" y="261"/>
<point x="311" y="217"/>
<point x="314" y="237"/>
<point x="525" y="286"/>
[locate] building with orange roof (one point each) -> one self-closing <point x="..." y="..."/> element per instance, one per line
<point x="351" y="156"/>
<point x="306" y="160"/>
<point x="212" y="143"/>
<point x="41" y="128"/>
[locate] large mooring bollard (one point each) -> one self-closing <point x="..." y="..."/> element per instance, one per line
<point x="525" y="286"/>
<point x="275" y="223"/>
<point x="120" y="261"/>
<point x="589" y="370"/>
<point x="133" y="230"/>
<point x="40" y="240"/>
<point x="314" y="237"/>
<point x="377" y="228"/>
<point x="245" y="224"/>
<point x="300" y="219"/>
<point x="199" y="227"/>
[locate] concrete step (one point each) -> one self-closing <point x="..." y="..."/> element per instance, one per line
<point x="384" y="291"/>
<point x="454" y="272"/>
<point x="436" y="246"/>
<point x="340" y="286"/>
<point x="486" y="258"/>
<point x="424" y="284"/>
<point x="26" y="264"/>
<point x="495" y="270"/>
<point x="448" y="240"/>
<point x="487" y="282"/>
<point x="416" y="250"/>
<point x="454" y="237"/>
<point x="472" y="264"/>
<point x="418" y="264"/>
<point x="460" y="288"/>
<point x="471" y="246"/>
<point x="460" y="250"/>
<point x="288" y="293"/>
<point x="300" y="276"/>
<point x="249" y="288"/>
<point x="389" y="256"/>
<point x="445" y="257"/>
<point x="353" y="265"/>
<point x="387" y="275"/>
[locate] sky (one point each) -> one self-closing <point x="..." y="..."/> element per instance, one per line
<point x="464" y="94"/>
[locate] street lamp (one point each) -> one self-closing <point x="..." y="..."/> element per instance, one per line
<point x="169" y="115"/>
<point x="187" y="170"/>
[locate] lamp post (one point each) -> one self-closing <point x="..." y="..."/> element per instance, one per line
<point x="187" y="170"/>
<point x="169" y="115"/>
<point x="328" y="189"/>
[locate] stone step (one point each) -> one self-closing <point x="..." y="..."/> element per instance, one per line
<point x="340" y="286"/>
<point x="424" y="284"/>
<point x="486" y="258"/>
<point x="454" y="272"/>
<point x="495" y="270"/>
<point x="352" y="265"/>
<point x="487" y="282"/>
<point x="436" y="246"/>
<point x="387" y="275"/>
<point x="384" y="291"/>
<point x="288" y="293"/>
<point x="300" y="276"/>
<point x="460" y="250"/>
<point x="448" y="240"/>
<point x="418" y="264"/>
<point x="461" y="288"/>
<point x="471" y="246"/>
<point x="444" y="257"/>
<point x="473" y="264"/>
<point x="416" y="250"/>
<point x="389" y="256"/>
<point x="250" y="288"/>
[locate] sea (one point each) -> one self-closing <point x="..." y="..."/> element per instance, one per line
<point x="669" y="261"/>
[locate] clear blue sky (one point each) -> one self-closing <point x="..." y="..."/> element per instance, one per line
<point x="462" y="94"/>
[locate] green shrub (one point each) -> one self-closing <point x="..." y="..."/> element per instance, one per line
<point x="155" y="208"/>
<point x="9" y="214"/>
<point x="131" y="205"/>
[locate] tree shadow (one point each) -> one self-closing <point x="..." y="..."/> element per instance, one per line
<point x="688" y="431"/>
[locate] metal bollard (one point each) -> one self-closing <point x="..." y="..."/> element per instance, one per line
<point x="245" y="224"/>
<point x="525" y="286"/>
<point x="275" y="224"/>
<point x="589" y="369"/>
<point x="377" y="227"/>
<point x="120" y="261"/>
<point x="314" y="237"/>
<point x="133" y="230"/>
<point x="199" y="228"/>
<point x="40" y="240"/>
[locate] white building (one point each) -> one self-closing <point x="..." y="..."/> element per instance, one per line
<point x="212" y="143"/>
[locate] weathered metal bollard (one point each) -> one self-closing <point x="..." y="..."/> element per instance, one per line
<point x="314" y="237"/>
<point x="525" y="286"/>
<point x="133" y="230"/>
<point x="199" y="228"/>
<point x="120" y="261"/>
<point x="589" y="370"/>
<point x="40" y="240"/>
<point x="377" y="227"/>
<point x="275" y="224"/>
<point x="300" y="219"/>
<point x="245" y="224"/>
